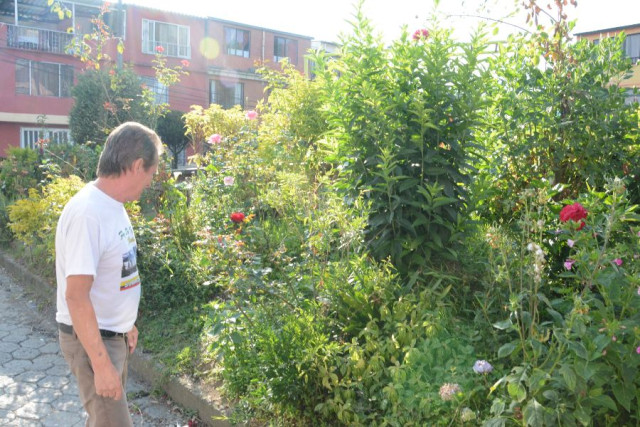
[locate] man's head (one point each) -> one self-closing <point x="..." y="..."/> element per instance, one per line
<point x="125" y="146"/>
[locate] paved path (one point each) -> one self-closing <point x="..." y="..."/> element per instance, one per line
<point x="36" y="387"/>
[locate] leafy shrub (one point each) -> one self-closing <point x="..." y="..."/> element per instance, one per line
<point x="72" y="159"/>
<point x="19" y="172"/>
<point x="402" y="120"/>
<point x="570" y="334"/>
<point x="33" y="220"/>
<point x="561" y="119"/>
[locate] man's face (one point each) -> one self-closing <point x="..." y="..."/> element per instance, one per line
<point x="141" y="179"/>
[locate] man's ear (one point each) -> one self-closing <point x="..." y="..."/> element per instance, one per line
<point x="137" y="165"/>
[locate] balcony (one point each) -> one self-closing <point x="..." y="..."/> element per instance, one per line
<point x="29" y="38"/>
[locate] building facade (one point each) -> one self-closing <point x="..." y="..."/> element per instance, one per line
<point x="38" y="70"/>
<point x="631" y="48"/>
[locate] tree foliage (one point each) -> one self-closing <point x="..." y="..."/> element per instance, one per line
<point x="103" y="100"/>
<point x="171" y="129"/>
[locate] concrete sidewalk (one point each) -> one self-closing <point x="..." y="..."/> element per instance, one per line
<point x="36" y="387"/>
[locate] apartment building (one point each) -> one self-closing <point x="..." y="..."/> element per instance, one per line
<point x="631" y="48"/>
<point x="38" y="71"/>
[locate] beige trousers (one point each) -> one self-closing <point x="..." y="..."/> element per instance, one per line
<point x="102" y="411"/>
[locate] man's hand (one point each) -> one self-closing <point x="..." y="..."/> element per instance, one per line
<point x="105" y="376"/>
<point x="132" y="338"/>
<point x="107" y="382"/>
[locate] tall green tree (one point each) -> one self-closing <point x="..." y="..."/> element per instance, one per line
<point x="171" y="128"/>
<point x="103" y="100"/>
<point x="556" y="113"/>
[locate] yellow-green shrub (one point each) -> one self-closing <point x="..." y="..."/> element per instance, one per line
<point x="33" y="220"/>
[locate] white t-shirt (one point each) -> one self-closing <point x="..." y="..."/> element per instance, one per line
<point x="94" y="237"/>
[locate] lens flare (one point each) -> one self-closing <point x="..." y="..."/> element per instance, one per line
<point x="209" y="48"/>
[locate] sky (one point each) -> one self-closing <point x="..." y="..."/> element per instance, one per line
<point x="326" y="19"/>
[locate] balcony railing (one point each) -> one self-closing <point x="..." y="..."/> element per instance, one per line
<point x="29" y="38"/>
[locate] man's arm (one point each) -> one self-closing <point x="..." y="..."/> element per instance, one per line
<point x="106" y="377"/>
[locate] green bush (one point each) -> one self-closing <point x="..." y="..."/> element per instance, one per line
<point x="33" y="220"/>
<point x="556" y="117"/>
<point x="19" y="172"/>
<point x="401" y="122"/>
<point x="569" y="339"/>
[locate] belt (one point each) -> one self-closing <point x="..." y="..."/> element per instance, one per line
<point x="68" y="329"/>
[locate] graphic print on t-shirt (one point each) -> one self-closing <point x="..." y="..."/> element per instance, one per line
<point x="129" y="268"/>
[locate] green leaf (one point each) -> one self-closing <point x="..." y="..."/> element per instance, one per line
<point x="498" y="407"/>
<point x="505" y="324"/>
<point x="494" y="422"/>
<point x="579" y="349"/>
<point x="606" y="401"/>
<point x="517" y="391"/>
<point x="624" y="394"/>
<point x="533" y="413"/>
<point x="569" y="376"/>
<point x="582" y="415"/>
<point x="506" y="349"/>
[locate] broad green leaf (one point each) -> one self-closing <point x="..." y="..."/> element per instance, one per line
<point x="604" y="400"/>
<point x="533" y="413"/>
<point x="498" y="407"/>
<point x="582" y="415"/>
<point x="494" y="422"/>
<point x="624" y="394"/>
<point x="569" y="376"/>
<point x="579" y="349"/>
<point x="505" y="324"/>
<point x="517" y="391"/>
<point x="507" y="349"/>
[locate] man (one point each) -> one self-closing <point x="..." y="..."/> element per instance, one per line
<point x="98" y="284"/>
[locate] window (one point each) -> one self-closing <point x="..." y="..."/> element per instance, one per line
<point x="43" y="78"/>
<point x="632" y="47"/>
<point x="285" y="48"/>
<point x="160" y="91"/>
<point x="237" y="42"/>
<point x="173" y="38"/>
<point x="29" y="137"/>
<point x="632" y="96"/>
<point x="226" y="94"/>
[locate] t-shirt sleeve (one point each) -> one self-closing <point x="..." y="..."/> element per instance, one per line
<point x="81" y="246"/>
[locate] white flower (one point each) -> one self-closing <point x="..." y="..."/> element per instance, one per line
<point x="482" y="367"/>
<point x="228" y="180"/>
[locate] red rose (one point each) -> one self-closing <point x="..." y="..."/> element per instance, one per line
<point x="575" y="212"/>
<point x="237" y="217"/>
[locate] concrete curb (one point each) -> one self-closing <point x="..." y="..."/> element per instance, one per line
<point x="212" y="410"/>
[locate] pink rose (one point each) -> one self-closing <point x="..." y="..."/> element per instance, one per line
<point x="159" y="49"/>
<point x="617" y="262"/>
<point x="185" y="63"/>
<point x="252" y="115"/>
<point x="421" y="34"/>
<point x="215" y="138"/>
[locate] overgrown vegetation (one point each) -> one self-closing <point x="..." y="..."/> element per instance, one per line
<point x="423" y="235"/>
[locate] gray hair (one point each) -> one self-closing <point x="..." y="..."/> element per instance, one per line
<point x="127" y="143"/>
